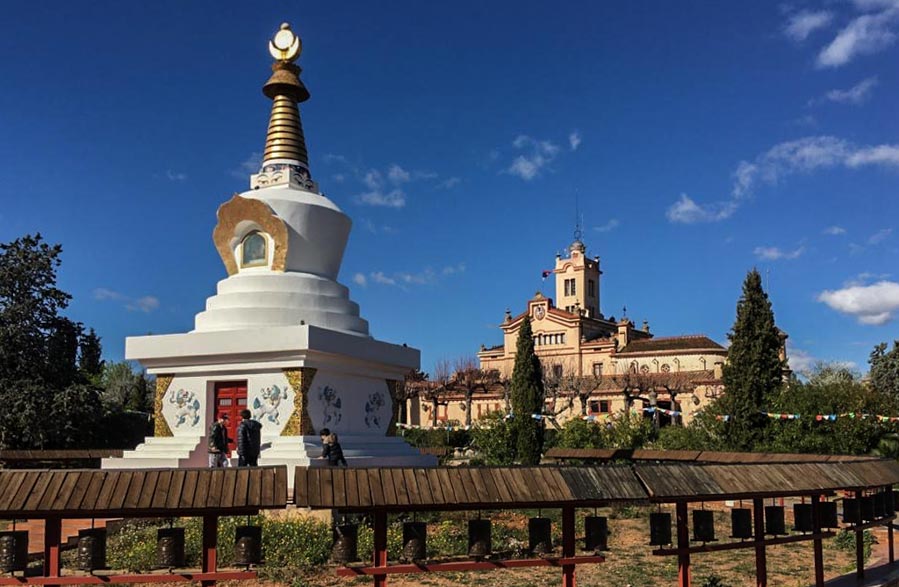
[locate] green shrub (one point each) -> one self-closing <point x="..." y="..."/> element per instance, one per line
<point x="845" y="541"/>
<point x="714" y="581"/>
<point x="494" y="439"/>
<point x="366" y="544"/>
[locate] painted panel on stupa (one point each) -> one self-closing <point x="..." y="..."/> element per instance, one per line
<point x="349" y="403"/>
<point x="270" y="399"/>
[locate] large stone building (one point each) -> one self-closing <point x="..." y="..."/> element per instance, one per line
<point x="594" y="365"/>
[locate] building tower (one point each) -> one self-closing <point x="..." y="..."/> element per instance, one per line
<point x="281" y="336"/>
<point x="577" y="280"/>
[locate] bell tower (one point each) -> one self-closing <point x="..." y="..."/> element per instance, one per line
<point x="577" y="280"/>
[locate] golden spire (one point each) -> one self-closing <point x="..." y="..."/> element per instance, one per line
<point x="285" y="140"/>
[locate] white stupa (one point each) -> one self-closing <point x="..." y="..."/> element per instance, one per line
<point x="281" y="337"/>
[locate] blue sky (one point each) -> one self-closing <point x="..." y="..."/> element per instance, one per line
<point x="700" y="140"/>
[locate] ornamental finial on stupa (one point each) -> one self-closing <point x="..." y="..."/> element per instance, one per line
<point x="285" y="159"/>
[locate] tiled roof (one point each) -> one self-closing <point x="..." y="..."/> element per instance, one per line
<point x="671" y="343"/>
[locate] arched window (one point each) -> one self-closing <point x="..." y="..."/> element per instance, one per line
<point x="254" y="250"/>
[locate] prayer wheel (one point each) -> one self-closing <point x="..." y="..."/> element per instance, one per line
<point x="596" y="533"/>
<point x="802" y="517"/>
<point x="889" y="498"/>
<point x="659" y="529"/>
<point x="895" y="501"/>
<point x="703" y="526"/>
<point x="741" y="523"/>
<point x="866" y="505"/>
<point x="827" y="510"/>
<point x="170" y="548"/>
<point x="540" y="539"/>
<point x="415" y="541"/>
<point x="13" y="551"/>
<point x="851" y="511"/>
<point x="774" y="520"/>
<point x="346" y="544"/>
<point x="91" y="549"/>
<point x="479" y="540"/>
<point x="880" y="505"/>
<point x="248" y="545"/>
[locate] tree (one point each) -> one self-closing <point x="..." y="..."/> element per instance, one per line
<point x="582" y="387"/>
<point x="753" y="373"/>
<point x="439" y="386"/>
<point x="527" y="396"/>
<point x="885" y="369"/>
<point x="469" y="378"/>
<point x="90" y="357"/>
<point x="414" y="383"/>
<point x="123" y="389"/>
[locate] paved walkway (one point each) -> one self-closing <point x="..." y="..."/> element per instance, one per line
<point x="878" y="571"/>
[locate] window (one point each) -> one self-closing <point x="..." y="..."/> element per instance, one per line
<point x="573" y="291"/>
<point x="253" y="250"/>
<point x="591" y="288"/>
<point x="597" y="369"/>
<point x="594" y="406"/>
<point x="567" y="287"/>
<point x="557" y="370"/>
<point x="604" y="406"/>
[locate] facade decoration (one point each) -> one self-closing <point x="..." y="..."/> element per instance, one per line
<point x="268" y="404"/>
<point x="187" y="408"/>
<point x="373" y="408"/>
<point x="299" y="423"/>
<point x="238" y="217"/>
<point x="332" y="410"/>
<point x="160" y="426"/>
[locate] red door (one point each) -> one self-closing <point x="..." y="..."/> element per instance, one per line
<point x="230" y="398"/>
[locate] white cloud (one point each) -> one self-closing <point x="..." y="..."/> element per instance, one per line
<point x="334" y="158"/>
<point x="380" y="277"/>
<point x="574" y="140"/>
<point x="874" y="304"/>
<point x="373" y="179"/>
<point x="857" y="94"/>
<point x="539" y="155"/>
<point x="248" y="166"/>
<point x="175" y="176"/>
<point x="338" y="178"/>
<point x="141" y="304"/>
<point x="454" y="269"/>
<point x="880" y="236"/>
<point x="391" y="199"/>
<point x="803" y="362"/>
<point x="780" y="161"/>
<point x="398" y="175"/>
<point x="360" y="280"/>
<point x="687" y="211"/>
<point x="449" y="182"/>
<point x="834" y="230"/>
<point x="610" y="225"/>
<point x="864" y="35"/>
<point x="804" y="23"/>
<point x="776" y="254"/>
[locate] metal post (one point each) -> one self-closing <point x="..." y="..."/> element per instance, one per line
<point x="816" y="529"/>
<point x="683" y="542"/>
<point x="890" y="542"/>
<point x="210" y="544"/>
<point x="761" y="562"/>
<point x="568" y="543"/>
<point x="859" y="542"/>
<point x="52" y="539"/>
<point x="380" y="546"/>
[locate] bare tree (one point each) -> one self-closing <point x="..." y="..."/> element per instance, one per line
<point x="469" y="378"/>
<point x="437" y="387"/>
<point x="415" y="384"/>
<point x="582" y="387"/>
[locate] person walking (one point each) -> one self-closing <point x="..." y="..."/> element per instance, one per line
<point x="249" y="440"/>
<point x="218" y="442"/>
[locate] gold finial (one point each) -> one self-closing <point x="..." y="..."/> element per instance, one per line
<point x="285" y="45"/>
<point x="285" y="140"/>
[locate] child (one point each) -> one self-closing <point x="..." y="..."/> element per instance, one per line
<point x="333" y="451"/>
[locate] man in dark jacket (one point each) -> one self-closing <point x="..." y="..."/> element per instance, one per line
<point x="249" y="440"/>
<point x="218" y="442"/>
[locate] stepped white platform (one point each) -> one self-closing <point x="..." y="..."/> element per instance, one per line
<point x="164" y="451"/>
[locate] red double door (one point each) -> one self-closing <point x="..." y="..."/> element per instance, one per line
<point x="230" y="398"/>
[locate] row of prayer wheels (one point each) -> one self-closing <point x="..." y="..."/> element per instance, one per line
<point x="91" y="549"/>
<point x="480" y="541"/>
<point x="855" y="511"/>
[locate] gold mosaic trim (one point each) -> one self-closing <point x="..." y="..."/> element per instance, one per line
<point x="160" y="426"/>
<point x="393" y="387"/>
<point x="237" y="210"/>
<point x="299" y="423"/>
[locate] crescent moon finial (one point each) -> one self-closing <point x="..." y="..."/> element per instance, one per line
<point x="285" y="45"/>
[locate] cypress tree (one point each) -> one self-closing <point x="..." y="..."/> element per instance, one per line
<point x="527" y="395"/>
<point x="753" y="373"/>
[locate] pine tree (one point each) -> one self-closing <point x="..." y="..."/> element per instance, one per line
<point x="527" y="395"/>
<point x="754" y="371"/>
